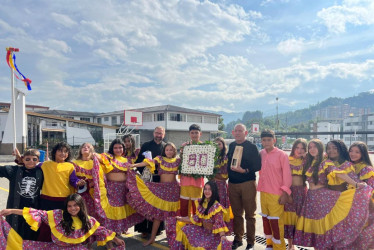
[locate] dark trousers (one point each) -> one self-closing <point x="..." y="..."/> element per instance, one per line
<point x="243" y="199"/>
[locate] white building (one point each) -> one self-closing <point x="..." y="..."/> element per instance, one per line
<point x="78" y="127"/>
<point x="357" y="124"/>
<point x="46" y="127"/>
<point x="176" y="121"/>
<point x="75" y="115"/>
<point x="326" y="127"/>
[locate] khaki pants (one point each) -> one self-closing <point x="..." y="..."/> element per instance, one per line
<point x="243" y="199"/>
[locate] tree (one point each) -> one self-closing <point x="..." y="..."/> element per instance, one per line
<point x="221" y="125"/>
<point x="252" y="115"/>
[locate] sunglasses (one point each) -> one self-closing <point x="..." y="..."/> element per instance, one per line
<point x="33" y="159"/>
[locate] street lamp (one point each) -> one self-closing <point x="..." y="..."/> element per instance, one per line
<point x="277" y="125"/>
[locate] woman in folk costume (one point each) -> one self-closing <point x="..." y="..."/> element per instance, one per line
<point x="298" y="188"/>
<point x="71" y="228"/>
<point x="118" y="216"/>
<point x="330" y="219"/>
<point x="156" y="201"/>
<point x="131" y="153"/>
<point x="337" y="152"/>
<point x="83" y="168"/>
<point x="204" y="230"/>
<point x="221" y="180"/>
<point x="359" y="155"/>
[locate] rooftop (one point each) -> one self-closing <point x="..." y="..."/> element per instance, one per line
<point x="163" y="108"/>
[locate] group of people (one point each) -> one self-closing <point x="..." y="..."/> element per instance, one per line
<point x="311" y="199"/>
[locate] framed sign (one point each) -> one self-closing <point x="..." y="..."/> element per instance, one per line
<point x="198" y="160"/>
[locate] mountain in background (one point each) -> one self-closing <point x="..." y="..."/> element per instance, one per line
<point x="362" y="100"/>
<point x="229" y="117"/>
<point x="298" y="120"/>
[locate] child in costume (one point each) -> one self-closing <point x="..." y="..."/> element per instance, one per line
<point x="204" y="230"/>
<point x="274" y="186"/>
<point x="71" y="227"/>
<point x="131" y="153"/>
<point x="25" y="183"/>
<point x="298" y="189"/>
<point x="156" y="201"/>
<point x="113" y="208"/>
<point x="221" y="180"/>
<point x="60" y="180"/>
<point x="191" y="188"/>
<point x="359" y="155"/>
<point x="330" y="219"/>
<point x="337" y="152"/>
<point x="83" y="167"/>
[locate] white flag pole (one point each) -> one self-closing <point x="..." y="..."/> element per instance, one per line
<point x="13" y="109"/>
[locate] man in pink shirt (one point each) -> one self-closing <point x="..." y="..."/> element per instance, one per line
<point x="274" y="186"/>
<point x="191" y="188"/>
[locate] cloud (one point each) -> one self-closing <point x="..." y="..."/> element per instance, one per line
<point x="292" y="46"/>
<point x="63" y="19"/>
<point x="108" y="55"/>
<point x="357" y="13"/>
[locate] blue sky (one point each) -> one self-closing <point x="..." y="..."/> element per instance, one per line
<point x="228" y="56"/>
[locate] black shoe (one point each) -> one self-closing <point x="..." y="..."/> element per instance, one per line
<point x="236" y="244"/>
<point x="249" y="246"/>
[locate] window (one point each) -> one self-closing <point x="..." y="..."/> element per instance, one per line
<point x="195" y="118"/>
<point x="121" y="119"/>
<point x="159" y="117"/>
<point x="69" y="117"/>
<point x="51" y="124"/>
<point x="177" y="117"/>
<point x="210" y="119"/>
<point x="106" y="119"/>
<point x="87" y="119"/>
<point x="99" y="120"/>
<point x="147" y="117"/>
<point x="114" y="120"/>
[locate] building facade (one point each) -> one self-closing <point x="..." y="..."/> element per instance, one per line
<point x="326" y="127"/>
<point x="356" y="124"/>
<point x="176" y="121"/>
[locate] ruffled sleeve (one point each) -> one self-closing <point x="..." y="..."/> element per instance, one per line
<point x="151" y="164"/>
<point x="196" y="220"/>
<point x="366" y="173"/>
<point x="103" y="235"/>
<point x="34" y="217"/>
<point x="331" y="170"/>
<point x="219" y="225"/>
<point x="347" y="167"/>
<point x="106" y="165"/>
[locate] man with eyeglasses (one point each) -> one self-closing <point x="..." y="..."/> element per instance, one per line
<point x="155" y="146"/>
<point x="25" y="183"/>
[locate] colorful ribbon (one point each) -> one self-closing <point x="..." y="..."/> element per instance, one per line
<point x="11" y="60"/>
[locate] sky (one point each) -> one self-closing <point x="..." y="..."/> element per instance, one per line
<point x="230" y="56"/>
